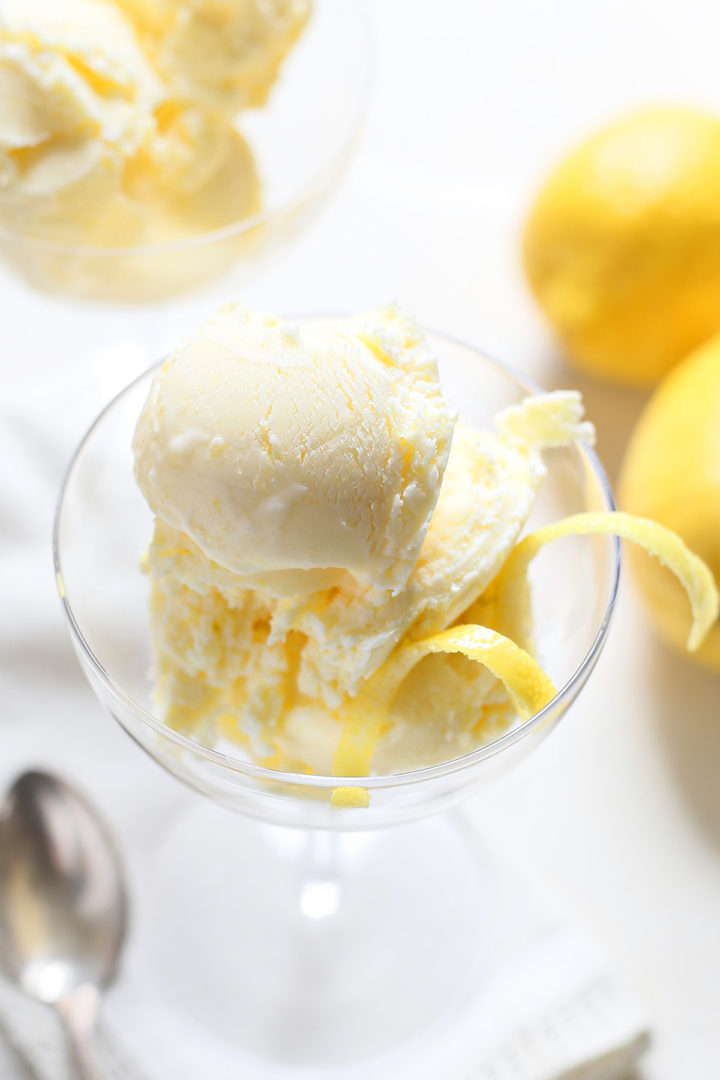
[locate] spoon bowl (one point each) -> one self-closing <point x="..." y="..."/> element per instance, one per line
<point x="63" y="903"/>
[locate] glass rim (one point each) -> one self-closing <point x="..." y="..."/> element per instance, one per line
<point x="409" y="777"/>
<point x="319" y="182"/>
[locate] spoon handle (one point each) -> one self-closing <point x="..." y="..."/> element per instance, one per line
<point x="79" y="1012"/>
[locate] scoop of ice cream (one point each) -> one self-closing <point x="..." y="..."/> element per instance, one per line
<point x="280" y="450"/>
<point x="117" y="117"/>
<point x="262" y="449"/>
<point x="76" y="102"/>
<point x="223" y="53"/>
<point x="278" y="671"/>
<point x="195" y="175"/>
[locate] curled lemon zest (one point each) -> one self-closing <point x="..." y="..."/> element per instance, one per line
<point x="363" y="716"/>
<point x="363" y="719"/>
<point x="523" y="678"/>
<point x="693" y="574"/>
<point x="355" y="797"/>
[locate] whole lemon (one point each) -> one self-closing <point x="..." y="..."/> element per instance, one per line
<point x="671" y="473"/>
<point x="622" y="245"/>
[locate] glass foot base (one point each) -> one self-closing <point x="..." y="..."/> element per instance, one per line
<point x="262" y="953"/>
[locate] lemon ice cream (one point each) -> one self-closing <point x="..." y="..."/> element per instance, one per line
<point x="76" y="103"/>
<point x="118" y="120"/>
<point x="314" y="521"/>
<point x="279" y="452"/>
<point x="337" y="579"/>
<point x="223" y="53"/>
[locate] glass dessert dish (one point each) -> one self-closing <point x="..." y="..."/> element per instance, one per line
<point x="352" y="940"/>
<point x="298" y="144"/>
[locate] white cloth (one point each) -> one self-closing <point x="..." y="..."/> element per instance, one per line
<point x="558" y="1010"/>
<point x="558" y="1013"/>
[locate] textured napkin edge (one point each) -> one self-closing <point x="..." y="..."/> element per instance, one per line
<point x="598" y="1033"/>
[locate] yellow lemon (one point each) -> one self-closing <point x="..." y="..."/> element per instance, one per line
<point x="671" y="473"/>
<point x="622" y="245"/>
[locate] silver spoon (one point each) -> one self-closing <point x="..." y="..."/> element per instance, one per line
<point x="63" y="905"/>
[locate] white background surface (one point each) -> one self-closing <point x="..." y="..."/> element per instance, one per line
<point x="620" y="810"/>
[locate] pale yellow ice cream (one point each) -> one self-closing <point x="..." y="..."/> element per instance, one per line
<point x="118" y="120"/>
<point x="196" y="174"/>
<point x="280" y="451"/>
<point x="224" y="54"/>
<point x="77" y="98"/>
<point x="259" y="443"/>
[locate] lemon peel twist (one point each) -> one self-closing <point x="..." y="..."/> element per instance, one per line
<point x="526" y="682"/>
<point x="692" y="572"/>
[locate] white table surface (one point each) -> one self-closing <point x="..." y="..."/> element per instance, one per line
<point x="619" y="810"/>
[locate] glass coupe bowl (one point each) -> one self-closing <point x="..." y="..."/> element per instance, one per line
<point x="340" y="944"/>
<point x="300" y="140"/>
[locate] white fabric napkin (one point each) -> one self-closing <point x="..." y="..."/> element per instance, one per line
<point x="556" y="1010"/>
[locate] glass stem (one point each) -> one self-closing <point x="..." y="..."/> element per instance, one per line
<point x="321" y="887"/>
